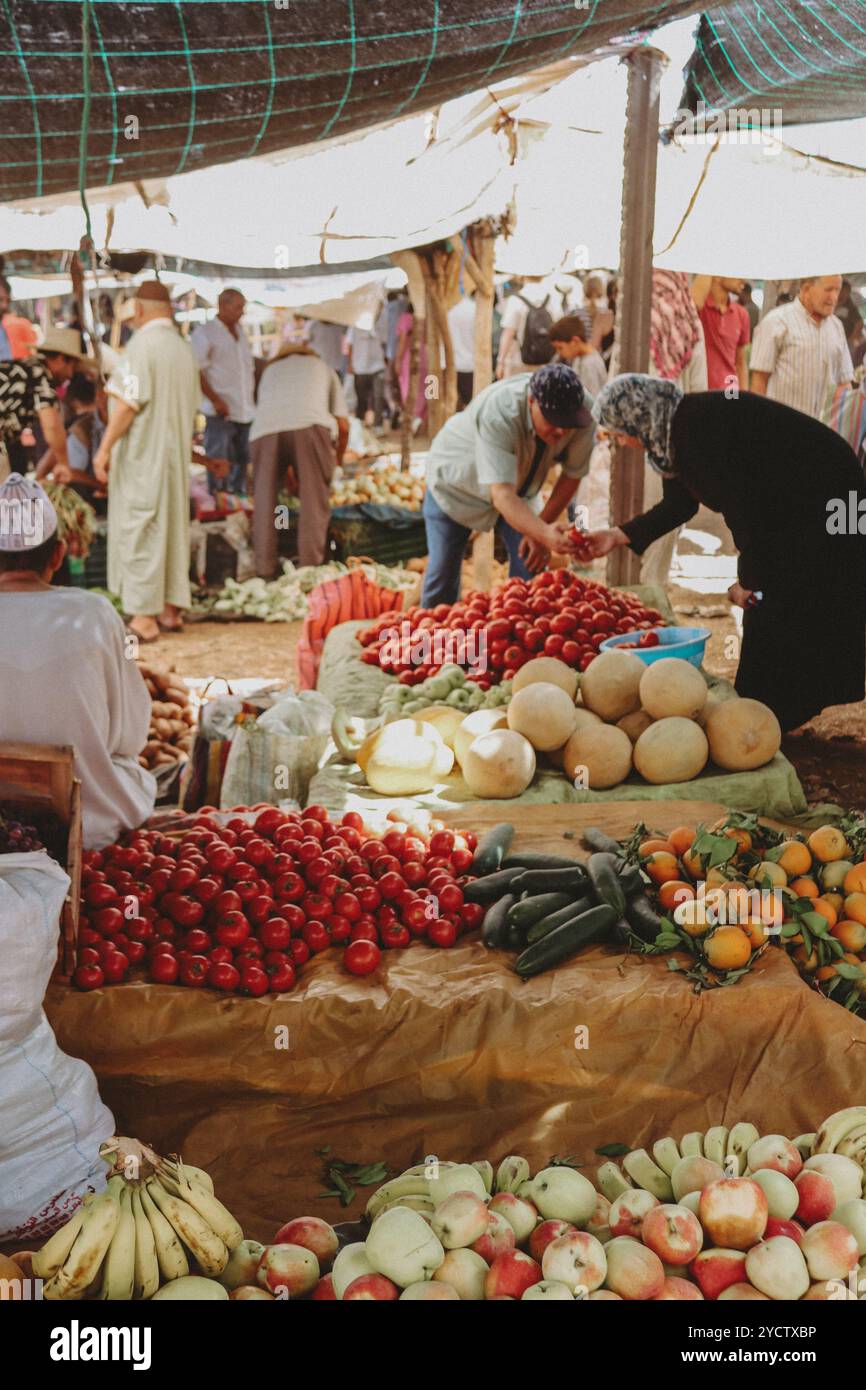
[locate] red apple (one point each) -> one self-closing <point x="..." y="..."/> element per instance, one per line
<point x="289" y="1271"/>
<point x="678" y="1290"/>
<point x="313" y="1234"/>
<point x="544" y="1233"/>
<point x="792" y="1229"/>
<point x="715" y="1270"/>
<point x="512" y="1274"/>
<point x="498" y="1239"/>
<point x="817" y="1197"/>
<point x="733" y="1213"/>
<point x="674" y="1233"/>
<point x="324" y="1290"/>
<point x="371" y="1287"/>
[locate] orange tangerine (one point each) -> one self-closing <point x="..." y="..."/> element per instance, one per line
<point x="827" y="843"/>
<point x="692" y="916"/>
<point x="825" y="972"/>
<point x="742" y="837"/>
<point x="772" y="910"/>
<point x="754" y="929"/>
<point x="728" y="948"/>
<point x="692" y="864"/>
<point x="805" y="888"/>
<point x="827" y="910"/>
<point x="855" y="879"/>
<point x="855" y="907"/>
<point x="662" y="866"/>
<point x="681" y="838"/>
<point x="795" y="858"/>
<point x="656" y="846"/>
<point x="806" y="961"/>
<point x="851" y="934"/>
<point x="716" y="878"/>
<point x="836" y="901"/>
<point x="674" y="891"/>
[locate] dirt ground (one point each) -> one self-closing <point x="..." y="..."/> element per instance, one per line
<point x="829" y="752"/>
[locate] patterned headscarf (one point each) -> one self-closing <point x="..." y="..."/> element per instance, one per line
<point x="675" y="327"/>
<point x="642" y="406"/>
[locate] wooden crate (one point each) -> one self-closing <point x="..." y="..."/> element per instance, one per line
<point x="43" y="776"/>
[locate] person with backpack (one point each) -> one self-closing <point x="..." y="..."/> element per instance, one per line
<point x="486" y="469"/>
<point x="526" y="323"/>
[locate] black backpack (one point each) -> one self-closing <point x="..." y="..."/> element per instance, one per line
<point x="536" y="348"/>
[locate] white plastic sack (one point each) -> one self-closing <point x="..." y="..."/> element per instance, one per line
<point x="52" y="1120"/>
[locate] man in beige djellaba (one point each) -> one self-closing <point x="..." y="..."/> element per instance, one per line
<point x="145" y="457"/>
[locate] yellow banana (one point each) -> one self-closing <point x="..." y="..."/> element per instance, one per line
<point x="404" y="1186"/>
<point x="740" y="1140"/>
<point x="716" y="1144"/>
<point x="218" y="1217"/>
<point x="118" y="1267"/>
<point x="48" y="1260"/>
<point x="648" y="1175"/>
<point x="486" y="1171"/>
<point x="611" y="1181"/>
<point x="837" y="1127"/>
<point x="90" y="1246"/>
<point x="197" y="1177"/>
<point x="804" y="1142"/>
<point x="146" y="1263"/>
<point x="692" y="1145"/>
<point x="170" y="1254"/>
<point x="666" y="1154"/>
<point x="208" y="1250"/>
<point x="854" y="1145"/>
<point x="423" y="1205"/>
<point x="511" y="1172"/>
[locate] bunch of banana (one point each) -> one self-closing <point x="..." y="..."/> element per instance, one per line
<point x="410" y="1189"/>
<point x="727" y="1147"/>
<point x="138" y="1234"/>
<point x="844" y="1133"/>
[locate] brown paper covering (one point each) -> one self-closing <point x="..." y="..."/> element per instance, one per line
<point x="449" y="1053"/>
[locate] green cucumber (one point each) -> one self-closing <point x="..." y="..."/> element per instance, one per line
<point x="642" y="918"/>
<point x="605" y="882"/>
<point x="599" y="842"/>
<point x="560" y="945"/>
<point x="532" y="909"/>
<point x="488" y="889"/>
<point x="514" y="937"/>
<point x="551" y="880"/>
<point x="631" y="878"/>
<point x="529" y="859"/>
<point x="495" y="922"/>
<point x="492" y="849"/>
<point x="556" y="919"/>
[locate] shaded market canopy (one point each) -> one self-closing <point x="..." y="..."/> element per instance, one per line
<point x="804" y="61"/>
<point x="168" y="87"/>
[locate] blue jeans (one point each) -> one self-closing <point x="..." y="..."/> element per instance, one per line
<point x="228" y="439"/>
<point x="446" y="544"/>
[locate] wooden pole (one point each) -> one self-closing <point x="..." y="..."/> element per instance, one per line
<point x="408" y="415"/>
<point x="435" y="412"/>
<point x="481" y="271"/>
<point x="640" y="155"/>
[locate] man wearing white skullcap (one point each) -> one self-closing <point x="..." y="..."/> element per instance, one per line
<point x="67" y="675"/>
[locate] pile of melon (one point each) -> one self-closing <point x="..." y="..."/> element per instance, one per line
<point x="659" y="720"/>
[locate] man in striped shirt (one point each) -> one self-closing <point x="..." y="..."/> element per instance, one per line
<point x="799" y="352"/>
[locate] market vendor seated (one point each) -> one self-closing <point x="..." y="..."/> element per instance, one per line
<point x="66" y="674"/>
<point x="486" y="469"/>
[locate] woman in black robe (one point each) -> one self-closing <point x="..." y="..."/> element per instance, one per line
<point x="793" y="495"/>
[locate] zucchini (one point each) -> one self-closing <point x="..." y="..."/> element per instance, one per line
<point x="560" y="945"/>
<point x="556" y="919"/>
<point x="492" y="849"/>
<point x="495" y="922"/>
<point x="551" y="880"/>
<point x="529" y="859"/>
<point x="488" y="889"/>
<point x="532" y="909"/>
<point x="514" y="936"/>
<point x="642" y="918"/>
<point x="604" y="881"/>
<point x="620" y="935"/>
<point x="631" y="879"/>
<point x="599" y="842"/>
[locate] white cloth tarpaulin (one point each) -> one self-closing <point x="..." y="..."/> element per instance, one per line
<point x="548" y="148"/>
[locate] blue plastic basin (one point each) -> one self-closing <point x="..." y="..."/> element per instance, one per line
<point x="688" y="643"/>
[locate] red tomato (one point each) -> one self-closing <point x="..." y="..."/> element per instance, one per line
<point x="198" y="942"/>
<point x="472" y="915"/>
<point x="315" y="934"/>
<point x="205" y="889"/>
<point x="254" y="981"/>
<point x="225" y="903"/>
<point x="391" y="885"/>
<point x="364" y="931"/>
<point x="220" y="955"/>
<point x="223" y="976"/>
<point x="232" y="930"/>
<point x="99" y="895"/>
<point x="275" y="934"/>
<point x="570" y="653"/>
<point x="163" y="968"/>
<point x="414" y="873"/>
<point x="299" y="951"/>
<point x="108" y="921"/>
<point x="553" y="644"/>
<point x="282" y="977"/>
<point x="396" y="936"/>
<point x="114" y="966"/>
<point x="339" y="930"/>
<point x="460" y="860"/>
<point x="362" y="957"/>
<point x="450" y="898"/>
<point x="441" y="932"/>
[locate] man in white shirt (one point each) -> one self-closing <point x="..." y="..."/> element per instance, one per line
<point x="66" y="675"/>
<point x="300" y="405"/>
<point x="800" y="353"/>
<point x="461" y="325"/>
<point x="535" y="293"/>
<point x="227" y="379"/>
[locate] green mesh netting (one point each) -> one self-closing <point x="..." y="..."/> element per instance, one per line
<point x="172" y="86"/>
<point x="806" y="60"/>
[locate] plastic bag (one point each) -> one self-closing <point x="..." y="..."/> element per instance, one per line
<point x="52" y="1120"/>
<point x="274" y="758"/>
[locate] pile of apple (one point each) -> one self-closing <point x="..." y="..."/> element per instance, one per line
<point x="240" y="907"/>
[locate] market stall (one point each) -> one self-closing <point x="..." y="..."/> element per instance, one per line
<point x="478" y="1061"/>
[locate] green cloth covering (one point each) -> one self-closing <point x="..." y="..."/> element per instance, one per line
<point x="773" y="790"/>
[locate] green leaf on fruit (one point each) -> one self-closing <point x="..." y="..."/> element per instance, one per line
<point x="674" y="965"/>
<point x="848" y="971"/>
<point x="790" y="928"/>
<point x="569" y="1161"/>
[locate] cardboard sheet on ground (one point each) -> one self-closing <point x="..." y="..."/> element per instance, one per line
<point x="773" y="790"/>
<point x="448" y="1053"/>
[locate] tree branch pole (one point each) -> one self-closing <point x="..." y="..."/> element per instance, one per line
<point x="480" y="269"/>
<point x="640" y="157"/>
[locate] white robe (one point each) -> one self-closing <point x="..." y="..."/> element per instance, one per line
<point x="65" y="678"/>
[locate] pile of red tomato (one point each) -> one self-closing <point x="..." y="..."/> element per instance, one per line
<point x="558" y="613"/>
<point x="241" y="907"/>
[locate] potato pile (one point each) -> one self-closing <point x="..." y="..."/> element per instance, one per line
<point x="173" y="718"/>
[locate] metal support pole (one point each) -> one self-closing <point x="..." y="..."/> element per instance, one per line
<point x="640" y="157"/>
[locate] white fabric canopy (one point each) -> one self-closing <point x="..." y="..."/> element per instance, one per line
<point x="548" y="148"/>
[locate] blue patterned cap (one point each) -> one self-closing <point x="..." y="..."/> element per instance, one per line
<point x="558" y="392"/>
